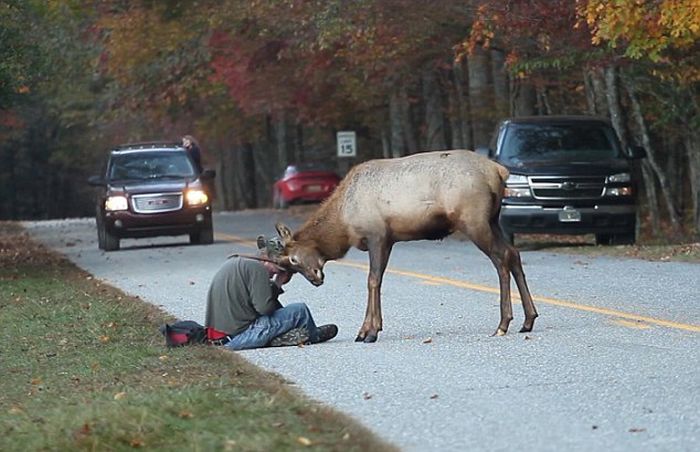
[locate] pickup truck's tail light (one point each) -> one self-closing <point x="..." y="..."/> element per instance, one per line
<point x="114" y="203"/>
<point x="618" y="191"/>
<point x="196" y="197"/>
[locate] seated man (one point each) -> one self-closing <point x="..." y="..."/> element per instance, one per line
<point x="243" y="310"/>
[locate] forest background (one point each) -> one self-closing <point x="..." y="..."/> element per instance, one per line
<point x="265" y="83"/>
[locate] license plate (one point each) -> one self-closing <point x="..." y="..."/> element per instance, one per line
<point x="569" y="216"/>
<point x="313" y="188"/>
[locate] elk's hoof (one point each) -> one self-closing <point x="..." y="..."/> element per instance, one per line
<point x="371" y="338"/>
<point x="526" y="329"/>
<point x="359" y="338"/>
<point x="499" y="332"/>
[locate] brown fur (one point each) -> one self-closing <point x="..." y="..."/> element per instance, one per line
<point x="423" y="196"/>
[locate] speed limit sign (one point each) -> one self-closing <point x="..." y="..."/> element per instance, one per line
<point x="347" y="144"/>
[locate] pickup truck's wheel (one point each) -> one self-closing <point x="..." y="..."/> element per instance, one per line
<point x="623" y="239"/>
<point x="109" y="241"/>
<point x="603" y="239"/>
<point x="509" y="237"/>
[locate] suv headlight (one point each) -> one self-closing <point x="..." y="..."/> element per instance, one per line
<point x="114" y="203"/>
<point x="196" y="197"/>
<point x="620" y="177"/>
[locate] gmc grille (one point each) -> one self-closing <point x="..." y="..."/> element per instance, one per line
<point x="157" y="202"/>
<point x="555" y="187"/>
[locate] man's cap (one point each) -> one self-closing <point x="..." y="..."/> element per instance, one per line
<point x="272" y="247"/>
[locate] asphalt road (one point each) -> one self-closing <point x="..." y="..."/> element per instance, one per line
<point x="612" y="364"/>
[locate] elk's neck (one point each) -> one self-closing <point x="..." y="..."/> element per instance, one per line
<point x="326" y="230"/>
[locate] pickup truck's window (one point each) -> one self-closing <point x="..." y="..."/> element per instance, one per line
<point x="150" y="165"/>
<point x="566" y="142"/>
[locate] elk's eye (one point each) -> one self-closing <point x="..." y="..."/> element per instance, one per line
<point x="293" y="260"/>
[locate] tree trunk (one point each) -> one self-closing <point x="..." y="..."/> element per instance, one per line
<point x="642" y="135"/>
<point x="396" y="122"/>
<point x="692" y="149"/>
<point x="652" y="200"/>
<point x="612" y="97"/>
<point x="500" y="83"/>
<point x="465" y="130"/>
<point x="523" y="97"/>
<point x="596" y="92"/>
<point x="434" y="120"/>
<point x="281" y="142"/>
<point x="480" y="95"/>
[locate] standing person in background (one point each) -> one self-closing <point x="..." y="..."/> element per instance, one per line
<point x="189" y="143"/>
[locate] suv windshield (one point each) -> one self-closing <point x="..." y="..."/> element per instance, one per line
<point x="565" y="142"/>
<point x="150" y="165"/>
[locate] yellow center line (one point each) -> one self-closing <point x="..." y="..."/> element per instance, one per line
<point x="478" y="287"/>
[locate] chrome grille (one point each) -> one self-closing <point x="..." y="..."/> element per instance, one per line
<point x="157" y="202"/>
<point x="554" y="187"/>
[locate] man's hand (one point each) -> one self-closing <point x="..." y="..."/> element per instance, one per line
<point x="281" y="278"/>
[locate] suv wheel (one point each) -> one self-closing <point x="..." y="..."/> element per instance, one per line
<point x="203" y="237"/>
<point x="109" y="242"/>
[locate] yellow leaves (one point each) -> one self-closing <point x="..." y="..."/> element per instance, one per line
<point x="646" y="28"/>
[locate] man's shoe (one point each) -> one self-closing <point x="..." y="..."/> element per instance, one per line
<point x="295" y="336"/>
<point x="327" y="332"/>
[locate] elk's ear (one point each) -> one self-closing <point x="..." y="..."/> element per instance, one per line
<point x="284" y="232"/>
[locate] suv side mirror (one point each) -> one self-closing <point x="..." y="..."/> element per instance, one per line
<point x="96" y="181"/>
<point x="485" y="151"/>
<point x="636" y="152"/>
<point x="208" y="174"/>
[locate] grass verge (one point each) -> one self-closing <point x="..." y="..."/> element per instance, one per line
<point x="83" y="367"/>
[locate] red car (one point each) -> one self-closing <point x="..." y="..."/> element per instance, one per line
<point x="304" y="182"/>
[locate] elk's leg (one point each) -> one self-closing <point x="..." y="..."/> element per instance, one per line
<point x="379" y="250"/>
<point x="516" y="268"/>
<point x="490" y="242"/>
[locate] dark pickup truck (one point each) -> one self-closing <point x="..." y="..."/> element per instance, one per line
<point x="568" y="175"/>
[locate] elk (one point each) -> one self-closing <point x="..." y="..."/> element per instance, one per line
<point x="427" y="195"/>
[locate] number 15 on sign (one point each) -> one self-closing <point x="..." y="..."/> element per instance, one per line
<point x="347" y="144"/>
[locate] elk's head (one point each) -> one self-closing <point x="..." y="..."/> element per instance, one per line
<point x="301" y="257"/>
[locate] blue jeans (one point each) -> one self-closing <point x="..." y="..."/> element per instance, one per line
<point x="268" y="327"/>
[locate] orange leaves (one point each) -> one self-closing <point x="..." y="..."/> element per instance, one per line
<point x="645" y="28"/>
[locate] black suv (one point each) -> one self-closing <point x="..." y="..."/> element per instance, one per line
<point x="152" y="189"/>
<point x="568" y="175"/>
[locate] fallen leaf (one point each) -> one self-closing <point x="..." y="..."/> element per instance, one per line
<point x="346" y="436"/>
<point x="278" y="424"/>
<point x="35" y="381"/>
<point x="366" y="395"/>
<point x="185" y="414"/>
<point x="136" y="442"/>
<point x="637" y="430"/>
<point x="434" y="396"/>
<point x="428" y="340"/>
<point x="104" y="339"/>
<point x="304" y="441"/>
<point x="527" y="338"/>
<point x="163" y="357"/>
<point x="192" y="283"/>
<point x="120" y="395"/>
<point x="15" y="410"/>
